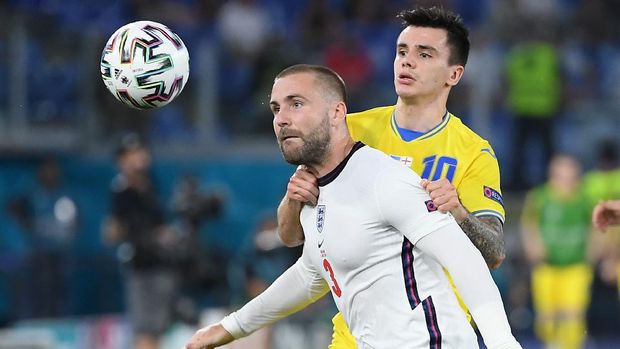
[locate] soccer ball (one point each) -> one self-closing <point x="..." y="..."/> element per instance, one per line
<point x="145" y="65"/>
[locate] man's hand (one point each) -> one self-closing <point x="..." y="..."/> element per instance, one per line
<point x="303" y="186"/>
<point x="606" y="214"/>
<point x="209" y="337"/>
<point x="445" y="197"/>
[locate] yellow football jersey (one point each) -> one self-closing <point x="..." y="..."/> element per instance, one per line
<point x="451" y="150"/>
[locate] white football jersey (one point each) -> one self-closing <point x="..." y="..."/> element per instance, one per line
<point x="361" y="238"/>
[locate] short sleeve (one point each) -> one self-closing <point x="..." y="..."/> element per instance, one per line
<point x="479" y="190"/>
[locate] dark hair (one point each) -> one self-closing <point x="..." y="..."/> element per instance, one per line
<point x="332" y="81"/>
<point x="437" y="17"/>
<point x="129" y="142"/>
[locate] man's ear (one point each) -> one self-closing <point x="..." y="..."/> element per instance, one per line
<point x="340" y="112"/>
<point x="455" y="75"/>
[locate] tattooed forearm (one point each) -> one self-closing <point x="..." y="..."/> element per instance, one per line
<point x="487" y="234"/>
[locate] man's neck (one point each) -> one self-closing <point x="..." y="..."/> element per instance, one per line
<point x="417" y="115"/>
<point x="138" y="180"/>
<point x="338" y="151"/>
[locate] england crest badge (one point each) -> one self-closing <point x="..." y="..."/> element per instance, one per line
<point x="320" y="217"/>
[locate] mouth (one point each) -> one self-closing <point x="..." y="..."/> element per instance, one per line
<point x="406" y="79"/>
<point x="286" y="137"/>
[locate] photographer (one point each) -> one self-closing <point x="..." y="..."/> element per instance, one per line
<point x="200" y="265"/>
<point x="136" y="222"/>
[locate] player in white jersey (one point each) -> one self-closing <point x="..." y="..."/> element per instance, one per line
<point x="374" y="239"/>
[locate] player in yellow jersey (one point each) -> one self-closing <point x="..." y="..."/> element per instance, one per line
<point x="555" y="230"/>
<point x="460" y="168"/>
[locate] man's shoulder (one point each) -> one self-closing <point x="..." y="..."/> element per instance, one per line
<point x="373" y="113"/>
<point x="467" y="134"/>
<point x="377" y="164"/>
<point x="467" y="142"/>
<point x="365" y="125"/>
<point x="119" y="184"/>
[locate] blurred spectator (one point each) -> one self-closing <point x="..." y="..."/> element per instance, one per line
<point x="170" y="13"/>
<point x="315" y="24"/>
<point x="556" y="237"/>
<point x="52" y="215"/>
<point x="603" y="182"/>
<point x="14" y="251"/>
<point x="249" y="47"/>
<point x="201" y="268"/>
<point x="534" y="99"/>
<point x="261" y="261"/>
<point x="266" y="258"/>
<point x="347" y="56"/>
<point x="602" y="185"/>
<point x="482" y="82"/>
<point x="148" y="246"/>
<point x="244" y="28"/>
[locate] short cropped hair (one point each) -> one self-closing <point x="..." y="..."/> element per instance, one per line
<point x="329" y="78"/>
<point x="437" y="17"/>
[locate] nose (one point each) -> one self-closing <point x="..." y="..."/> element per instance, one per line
<point x="407" y="62"/>
<point x="281" y="119"/>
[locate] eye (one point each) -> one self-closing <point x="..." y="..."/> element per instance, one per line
<point x="401" y="53"/>
<point x="275" y="109"/>
<point x="297" y="104"/>
<point x="425" y="55"/>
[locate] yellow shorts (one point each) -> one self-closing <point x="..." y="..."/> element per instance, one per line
<point x="561" y="288"/>
<point x="342" y="337"/>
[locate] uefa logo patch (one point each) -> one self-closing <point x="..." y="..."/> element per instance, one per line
<point x="430" y="205"/>
<point x="493" y="195"/>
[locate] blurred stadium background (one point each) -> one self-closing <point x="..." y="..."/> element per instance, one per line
<point x="55" y="109"/>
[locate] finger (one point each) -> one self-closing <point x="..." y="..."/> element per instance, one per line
<point x="295" y="184"/>
<point x="305" y="174"/>
<point x="424" y="183"/>
<point x="443" y="193"/>
<point x="306" y="185"/>
<point x="445" y="208"/>
<point x="596" y="213"/>
<point x="441" y="184"/>
<point x="295" y="191"/>
<point x="613" y="205"/>
<point x="308" y="191"/>
<point x="304" y="196"/>
<point x="432" y="186"/>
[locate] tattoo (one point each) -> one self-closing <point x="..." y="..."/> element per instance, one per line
<point x="487" y="234"/>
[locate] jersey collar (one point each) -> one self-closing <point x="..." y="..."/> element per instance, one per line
<point x="446" y="118"/>
<point x="328" y="178"/>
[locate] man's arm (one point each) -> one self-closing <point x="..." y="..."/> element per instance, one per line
<point x="302" y="188"/>
<point x="290" y="230"/>
<point x="294" y="290"/>
<point x="487" y="233"/>
<point x="210" y="337"/>
<point x="472" y="278"/>
<point x="606" y="214"/>
<point x="298" y="287"/>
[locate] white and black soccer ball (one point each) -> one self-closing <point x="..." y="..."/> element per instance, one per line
<point x="145" y="65"/>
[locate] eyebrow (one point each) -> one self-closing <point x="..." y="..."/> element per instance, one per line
<point x="288" y="98"/>
<point x="420" y="47"/>
<point x="426" y="47"/>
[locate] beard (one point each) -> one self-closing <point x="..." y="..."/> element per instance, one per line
<point x="313" y="149"/>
